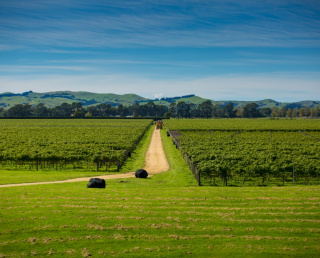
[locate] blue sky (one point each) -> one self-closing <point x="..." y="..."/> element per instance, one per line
<point x="219" y="49"/>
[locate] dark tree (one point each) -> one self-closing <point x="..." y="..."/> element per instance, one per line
<point x="65" y="109"/>
<point x="106" y="110"/>
<point x="216" y="111"/>
<point x="136" y="109"/>
<point x="183" y="109"/>
<point x="173" y="109"/>
<point x="41" y="110"/>
<point x="251" y="111"/>
<point x="120" y="110"/>
<point x="2" y="112"/>
<point x="123" y="110"/>
<point x="150" y="109"/>
<point x="77" y="109"/>
<point x="92" y="111"/>
<point x="78" y="113"/>
<point x="228" y="111"/>
<point x="266" y="112"/>
<point x="161" y="110"/>
<point x="317" y="111"/>
<point x="206" y="109"/>
<point x="20" y="110"/>
<point x="195" y="112"/>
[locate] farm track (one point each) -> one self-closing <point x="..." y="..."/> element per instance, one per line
<point x="155" y="162"/>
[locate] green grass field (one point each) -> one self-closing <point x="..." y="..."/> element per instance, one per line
<point x="166" y="215"/>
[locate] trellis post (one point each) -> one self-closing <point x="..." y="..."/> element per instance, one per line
<point x="293" y="175"/>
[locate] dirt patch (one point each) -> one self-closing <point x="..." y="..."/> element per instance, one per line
<point x="176" y="134"/>
<point x="156" y="162"/>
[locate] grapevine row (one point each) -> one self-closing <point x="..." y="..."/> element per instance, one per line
<point x="58" y="143"/>
<point x="245" y="154"/>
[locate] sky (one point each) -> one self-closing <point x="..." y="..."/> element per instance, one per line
<point x="215" y="49"/>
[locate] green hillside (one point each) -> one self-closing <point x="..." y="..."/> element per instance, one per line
<point x="269" y="103"/>
<point x="52" y="99"/>
<point x="187" y="99"/>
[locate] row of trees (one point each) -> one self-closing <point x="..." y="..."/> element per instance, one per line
<point x="288" y="112"/>
<point x="175" y="110"/>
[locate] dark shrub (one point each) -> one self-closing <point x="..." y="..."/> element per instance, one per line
<point x="96" y="183"/>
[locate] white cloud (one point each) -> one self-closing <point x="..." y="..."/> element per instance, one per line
<point x="158" y="95"/>
<point x="35" y="68"/>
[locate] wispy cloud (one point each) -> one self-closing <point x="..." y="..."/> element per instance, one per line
<point x="128" y="62"/>
<point x="34" y="68"/>
<point x="169" y="23"/>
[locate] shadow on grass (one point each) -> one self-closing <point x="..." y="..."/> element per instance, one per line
<point x="234" y="185"/>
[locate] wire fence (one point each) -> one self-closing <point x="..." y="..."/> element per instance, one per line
<point x="215" y="179"/>
<point x="195" y="171"/>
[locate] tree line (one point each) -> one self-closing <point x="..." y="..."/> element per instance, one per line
<point x="175" y="110"/>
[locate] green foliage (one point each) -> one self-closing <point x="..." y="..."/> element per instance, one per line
<point x="245" y="150"/>
<point x="53" y="144"/>
<point x="251" y="111"/>
<point x="263" y="124"/>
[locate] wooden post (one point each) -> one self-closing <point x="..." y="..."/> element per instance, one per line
<point x="118" y="165"/>
<point x="293" y="175"/>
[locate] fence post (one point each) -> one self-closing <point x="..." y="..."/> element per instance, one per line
<point x="118" y="166"/>
<point x="192" y="166"/>
<point x="293" y="175"/>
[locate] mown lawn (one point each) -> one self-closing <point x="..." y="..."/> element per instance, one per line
<point x="166" y="215"/>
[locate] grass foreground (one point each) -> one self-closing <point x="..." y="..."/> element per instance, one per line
<point x="166" y="215"/>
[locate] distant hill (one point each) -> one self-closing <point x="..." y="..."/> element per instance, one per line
<point x="187" y="98"/>
<point x="269" y="103"/>
<point x="52" y="99"/>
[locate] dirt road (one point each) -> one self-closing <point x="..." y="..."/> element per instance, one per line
<point x="156" y="162"/>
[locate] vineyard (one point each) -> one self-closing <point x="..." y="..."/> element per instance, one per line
<point x="68" y="144"/>
<point x="249" y="152"/>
